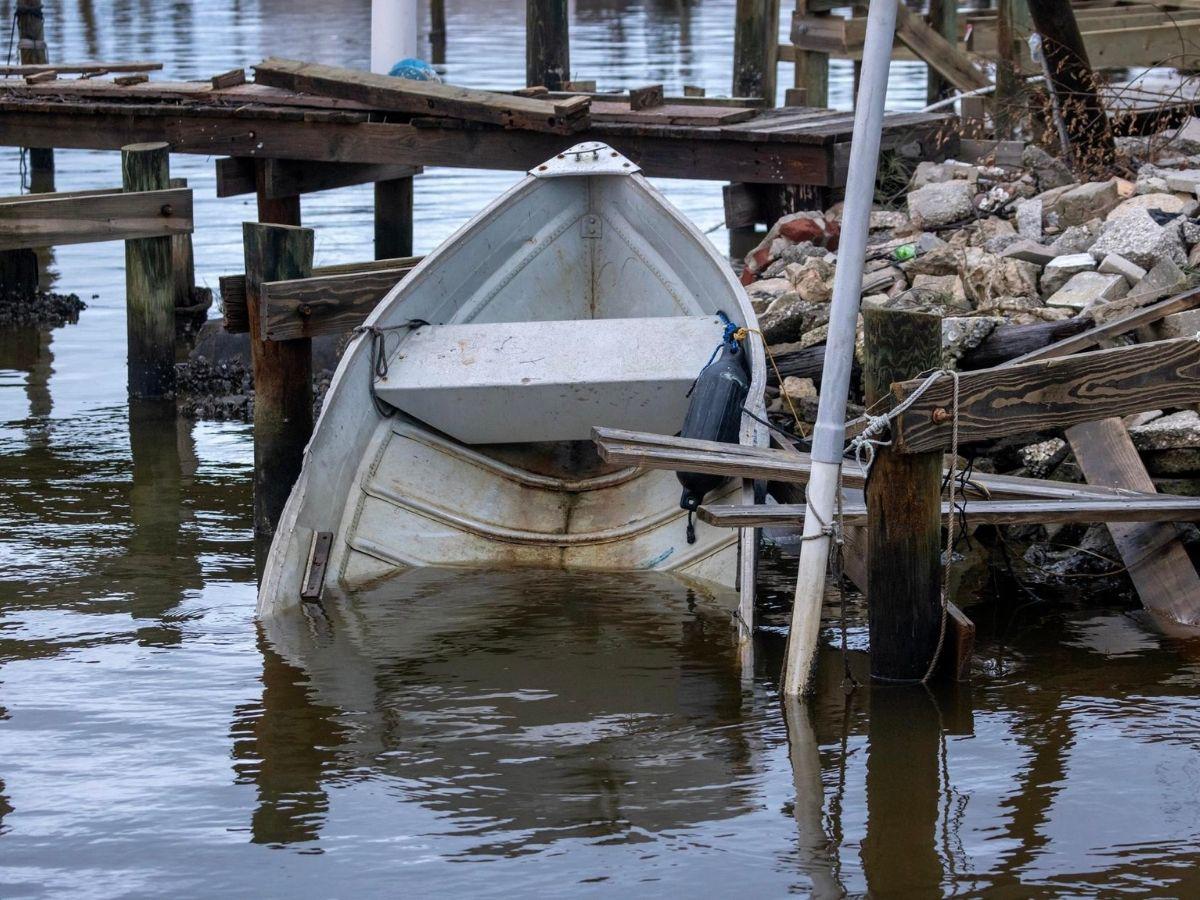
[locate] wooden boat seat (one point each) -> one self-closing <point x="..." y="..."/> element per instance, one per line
<point x="509" y="382"/>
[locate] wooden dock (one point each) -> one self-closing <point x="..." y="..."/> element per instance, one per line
<point x="784" y="146"/>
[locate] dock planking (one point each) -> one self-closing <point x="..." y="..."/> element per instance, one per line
<point x="80" y="217"/>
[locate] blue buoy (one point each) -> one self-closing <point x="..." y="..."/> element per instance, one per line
<point x="415" y="70"/>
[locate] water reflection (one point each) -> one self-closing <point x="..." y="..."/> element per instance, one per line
<point x="523" y="709"/>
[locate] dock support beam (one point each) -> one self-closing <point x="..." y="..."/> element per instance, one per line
<point x="283" y="400"/>
<point x="394" y="218"/>
<point x="18" y="274"/>
<point x="437" y="32"/>
<point x="755" y="43"/>
<point x="903" y="506"/>
<point x="1074" y="84"/>
<point x="812" y="67"/>
<point x="547" y="44"/>
<point x="149" y="282"/>
<point x="943" y="18"/>
<point x="32" y="33"/>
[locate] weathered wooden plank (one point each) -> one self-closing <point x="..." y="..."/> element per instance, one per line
<point x="47" y="220"/>
<point x="330" y="304"/>
<point x="418" y="97"/>
<point x="229" y="79"/>
<point x="73" y="68"/>
<point x="671" y="114"/>
<point x="983" y="512"/>
<point x="646" y="97"/>
<point x="1055" y="393"/>
<point x="950" y="62"/>
<point x="233" y="287"/>
<point x="228" y="134"/>
<point x="688" y="454"/>
<point x="138" y="78"/>
<point x="1092" y="337"/>
<point x="288" y="177"/>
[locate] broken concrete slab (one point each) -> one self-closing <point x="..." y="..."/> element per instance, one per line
<point x="1178" y="431"/>
<point x="1087" y="201"/>
<point x="1140" y="239"/>
<point x="1087" y="289"/>
<point x="1029" y="251"/>
<point x="1168" y="203"/>
<point x="1164" y="279"/>
<point x="1029" y="219"/>
<point x="1060" y="269"/>
<point x="941" y="203"/>
<point x="1115" y="264"/>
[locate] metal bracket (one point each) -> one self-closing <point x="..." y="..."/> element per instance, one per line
<point x="588" y="158"/>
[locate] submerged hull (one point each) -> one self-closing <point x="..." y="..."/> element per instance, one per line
<point x="594" y="242"/>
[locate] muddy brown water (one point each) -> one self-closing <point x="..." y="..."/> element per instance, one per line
<point x="490" y="734"/>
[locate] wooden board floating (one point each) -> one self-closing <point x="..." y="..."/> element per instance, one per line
<point x="983" y="512"/>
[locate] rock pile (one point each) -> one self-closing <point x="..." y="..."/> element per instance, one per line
<point x="998" y="247"/>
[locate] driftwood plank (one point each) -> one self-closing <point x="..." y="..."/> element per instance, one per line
<point x="422" y="97"/>
<point x="81" y="68"/>
<point x="48" y="220"/>
<point x="289" y="177"/>
<point x="1054" y="393"/>
<point x="327" y="304"/>
<point x="709" y="457"/>
<point x="983" y="512"/>
<point x="233" y="287"/>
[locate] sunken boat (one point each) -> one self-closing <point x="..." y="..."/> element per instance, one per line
<point x="457" y="429"/>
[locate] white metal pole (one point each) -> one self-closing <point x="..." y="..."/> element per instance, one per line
<point x="829" y="436"/>
<point x="394" y="31"/>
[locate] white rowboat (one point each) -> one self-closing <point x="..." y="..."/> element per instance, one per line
<point x="456" y="430"/>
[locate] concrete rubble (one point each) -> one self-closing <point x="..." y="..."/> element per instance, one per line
<point x="993" y="248"/>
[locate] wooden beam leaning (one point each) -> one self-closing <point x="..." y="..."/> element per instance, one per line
<point x="937" y="52"/>
<point x="288" y="177"/>
<point x="1054" y="393"/>
<point x="1154" y="508"/>
<point x="425" y="98"/>
<point x="48" y="220"/>
<point x="233" y="287"/>
<point x="330" y="304"/>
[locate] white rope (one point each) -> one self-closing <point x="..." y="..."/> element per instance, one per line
<point x="863" y="444"/>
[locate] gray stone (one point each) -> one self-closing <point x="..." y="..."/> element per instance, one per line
<point x="941" y="203"/>
<point x="1075" y="239"/>
<point x="787" y="318"/>
<point x="1178" y="431"/>
<point x="1179" y="325"/>
<point x="1172" y="462"/>
<point x="1140" y="239"/>
<point x="1001" y="242"/>
<point x="1087" y="201"/>
<point x="1042" y="458"/>
<point x="1113" y="264"/>
<point x="939" y="173"/>
<point x="929" y="241"/>
<point x="1189" y="230"/>
<point x="889" y="218"/>
<point x="1028" y="251"/>
<point x="1163" y="279"/>
<point x="1168" y="203"/>
<point x="1151" y="184"/>
<point x="1049" y="171"/>
<point x="1086" y="289"/>
<point x="1183" y="180"/>
<point x="948" y="288"/>
<point x="963" y="333"/>
<point x="1029" y="219"/>
<point x="1060" y="269"/>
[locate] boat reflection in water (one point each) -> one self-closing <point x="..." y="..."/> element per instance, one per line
<point x="521" y="710"/>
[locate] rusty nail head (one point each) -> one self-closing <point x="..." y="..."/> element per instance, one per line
<point x="941" y="416"/>
<point x="304" y="309"/>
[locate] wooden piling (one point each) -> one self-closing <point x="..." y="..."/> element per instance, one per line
<point x="1088" y="129"/>
<point x="903" y="506"/>
<point x="812" y="67"/>
<point x="18" y="274"/>
<point x="943" y="18"/>
<point x="393" y="218"/>
<point x="283" y="399"/>
<point x="755" y="45"/>
<point x="437" y="32"/>
<point x="183" y="262"/>
<point x="149" y="282"/>
<point x="278" y="210"/>
<point x="32" y="45"/>
<point x="547" y="44"/>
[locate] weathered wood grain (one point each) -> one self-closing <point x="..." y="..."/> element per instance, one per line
<point x="48" y="220"/>
<point x="420" y="97"/>
<point x="229" y="79"/>
<point x="982" y="512"/>
<point x="331" y="304"/>
<point x="950" y="62"/>
<point x="81" y="68"/>
<point x="1056" y="393"/>
<point x="710" y="457"/>
<point x="645" y="97"/>
<point x="288" y="177"/>
<point x="233" y="287"/>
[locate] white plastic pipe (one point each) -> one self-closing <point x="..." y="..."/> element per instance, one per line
<point x="394" y="30"/>
<point x="829" y="436"/>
